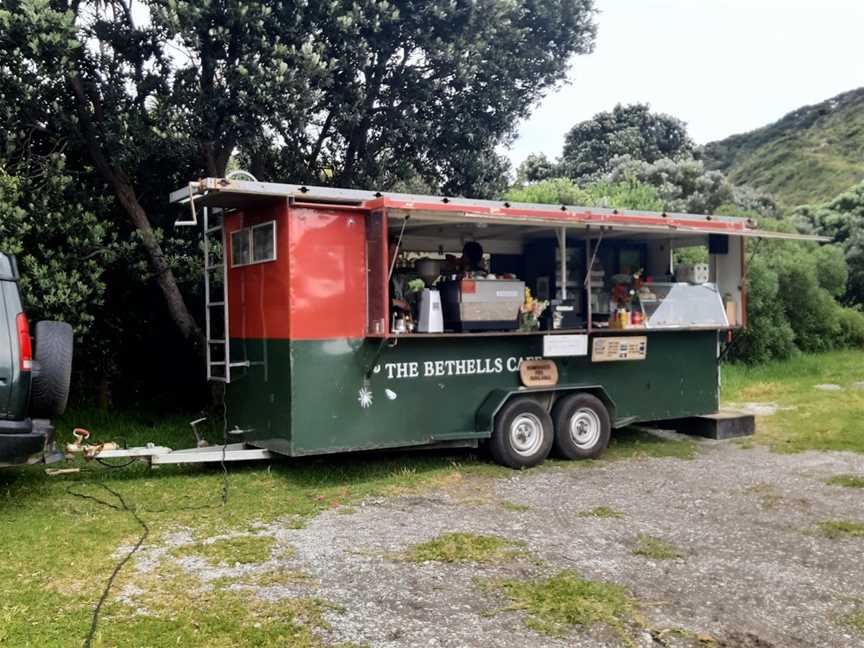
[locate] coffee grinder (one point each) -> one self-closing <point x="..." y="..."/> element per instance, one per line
<point x="430" y="317"/>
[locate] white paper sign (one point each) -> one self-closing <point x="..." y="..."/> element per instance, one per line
<point x="564" y="345"/>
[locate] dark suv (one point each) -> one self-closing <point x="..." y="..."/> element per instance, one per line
<point x="34" y="376"/>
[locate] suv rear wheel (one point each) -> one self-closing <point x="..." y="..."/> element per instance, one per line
<point x="52" y="371"/>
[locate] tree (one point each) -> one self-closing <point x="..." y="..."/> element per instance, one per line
<point x="355" y="93"/>
<point x="563" y="191"/>
<point x="420" y="87"/>
<point x="51" y="226"/>
<point x="93" y="102"/>
<point x="752" y="202"/>
<point x="627" y="194"/>
<point x="478" y="174"/>
<point x="591" y="147"/>
<point x="554" y="191"/>
<point x="536" y="168"/>
<point x="682" y="185"/>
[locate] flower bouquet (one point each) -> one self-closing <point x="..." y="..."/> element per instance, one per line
<point x="530" y="312"/>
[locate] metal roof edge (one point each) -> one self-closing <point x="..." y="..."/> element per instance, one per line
<point x="481" y="208"/>
<point x="312" y="193"/>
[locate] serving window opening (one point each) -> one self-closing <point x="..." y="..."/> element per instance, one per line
<point x="469" y="277"/>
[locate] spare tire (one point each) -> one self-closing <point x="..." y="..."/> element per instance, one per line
<point x="52" y="371"/>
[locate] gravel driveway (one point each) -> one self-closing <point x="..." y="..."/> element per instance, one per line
<point x="754" y="571"/>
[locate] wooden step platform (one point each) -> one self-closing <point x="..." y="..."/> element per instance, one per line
<point x="725" y="424"/>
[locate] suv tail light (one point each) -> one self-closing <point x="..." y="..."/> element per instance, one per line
<point x="25" y="345"/>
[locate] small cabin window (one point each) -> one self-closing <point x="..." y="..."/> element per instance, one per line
<point x="240" y="248"/>
<point x="256" y="244"/>
<point x="264" y="242"/>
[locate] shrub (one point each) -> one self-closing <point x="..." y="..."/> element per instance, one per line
<point x="831" y="269"/>
<point x="810" y="309"/>
<point x="851" y="327"/>
<point x="792" y="290"/>
<point x="614" y="195"/>
<point x="556" y="191"/>
<point x="768" y="335"/>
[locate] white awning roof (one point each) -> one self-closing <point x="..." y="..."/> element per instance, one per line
<point x="670" y="231"/>
<point x="227" y="193"/>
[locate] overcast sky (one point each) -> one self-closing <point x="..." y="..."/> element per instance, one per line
<point x="723" y="66"/>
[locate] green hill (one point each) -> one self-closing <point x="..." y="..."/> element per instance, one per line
<point x="808" y="156"/>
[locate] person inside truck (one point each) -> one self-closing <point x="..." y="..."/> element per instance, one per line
<point x="472" y="257"/>
<point x="469" y="264"/>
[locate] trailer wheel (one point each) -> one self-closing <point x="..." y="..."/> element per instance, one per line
<point x="582" y="426"/>
<point x="523" y="434"/>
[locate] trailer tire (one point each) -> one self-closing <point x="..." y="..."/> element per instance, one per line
<point x="582" y="426"/>
<point x="52" y="371"/>
<point x="523" y="434"/>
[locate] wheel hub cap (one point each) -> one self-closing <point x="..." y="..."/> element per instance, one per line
<point x="526" y="434"/>
<point x="584" y="428"/>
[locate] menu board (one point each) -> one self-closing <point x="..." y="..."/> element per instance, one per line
<point x="565" y="345"/>
<point x="611" y="349"/>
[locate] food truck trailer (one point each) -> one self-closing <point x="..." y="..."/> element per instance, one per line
<point x="345" y="320"/>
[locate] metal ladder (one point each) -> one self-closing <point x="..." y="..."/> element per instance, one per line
<point x="216" y="310"/>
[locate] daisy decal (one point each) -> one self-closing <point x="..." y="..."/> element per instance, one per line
<point x="364" y="397"/>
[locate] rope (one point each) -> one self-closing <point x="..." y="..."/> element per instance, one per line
<point x="398" y="247"/>
<point x="593" y="259"/>
<point x="749" y="261"/>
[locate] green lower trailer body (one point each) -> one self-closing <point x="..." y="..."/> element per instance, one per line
<point x="306" y="397"/>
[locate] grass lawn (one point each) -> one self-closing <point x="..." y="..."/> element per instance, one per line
<point x="807" y="418"/>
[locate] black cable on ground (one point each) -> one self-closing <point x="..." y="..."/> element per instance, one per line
<point x="145" y="531"/>
<point x="108" y="464"/>
<point x="224" y="466"/>
<point x="224" y="449"/>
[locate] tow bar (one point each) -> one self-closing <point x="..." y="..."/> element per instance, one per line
<point x="160" y="455"/>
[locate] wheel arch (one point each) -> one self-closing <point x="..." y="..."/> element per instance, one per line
<point x="485" y="418"/>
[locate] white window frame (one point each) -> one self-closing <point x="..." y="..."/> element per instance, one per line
<point x="251" y="244"/>
<point x="248" y="232"/>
